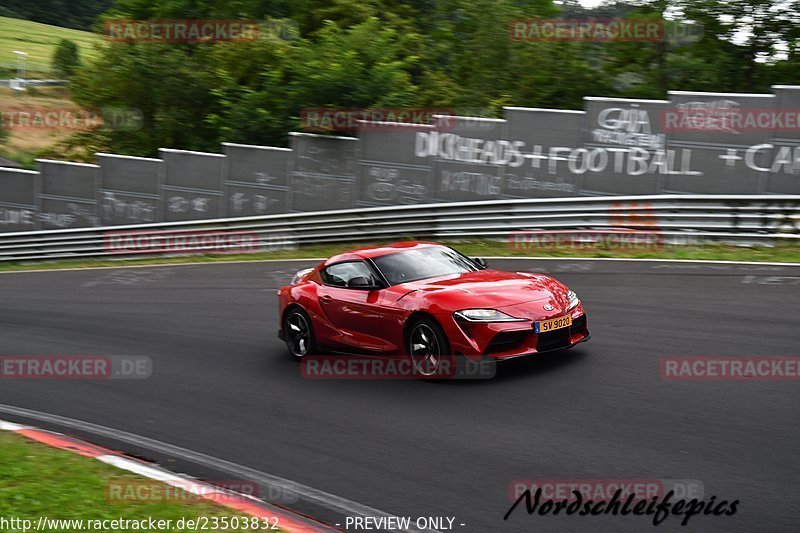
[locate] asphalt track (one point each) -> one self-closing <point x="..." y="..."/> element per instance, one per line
<point x="222" y="385"/>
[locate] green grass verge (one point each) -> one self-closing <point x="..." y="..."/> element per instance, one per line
<point x="37" y="480"/>
<point x="39" y="41"/>
<point x="782" y="253"/>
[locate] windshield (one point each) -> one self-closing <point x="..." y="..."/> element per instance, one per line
<point x="422" y="263"/>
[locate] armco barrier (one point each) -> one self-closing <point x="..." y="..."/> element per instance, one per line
<point x="677" y="219"/>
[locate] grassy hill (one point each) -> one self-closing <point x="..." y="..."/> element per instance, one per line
<point x="39" y="41"/>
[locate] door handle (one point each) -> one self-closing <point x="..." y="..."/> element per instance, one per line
<point x="325" y="298"/>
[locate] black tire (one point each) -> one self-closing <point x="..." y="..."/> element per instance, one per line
<point x="299" y="333"/>
<point x="429" y="350"/>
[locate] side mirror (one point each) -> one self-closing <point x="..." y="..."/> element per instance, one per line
<point x="361" y="282"/>
<point x="481" y="262"/>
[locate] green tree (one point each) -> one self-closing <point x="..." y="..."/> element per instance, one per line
<point x="66" y="58"/>
<point x="757" y="32"/>
<point x="360" y="67"/>
<point x="169" y="88"/>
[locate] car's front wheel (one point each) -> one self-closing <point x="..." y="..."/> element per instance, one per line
<point x="299" y="333"/>
<point x="428" y="348"/>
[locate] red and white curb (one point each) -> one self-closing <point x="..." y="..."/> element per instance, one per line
<point x="286" y="520"/>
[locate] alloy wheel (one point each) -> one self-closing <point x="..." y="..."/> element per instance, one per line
<point x="425" y="350"/>
<point x="298" y="334"/>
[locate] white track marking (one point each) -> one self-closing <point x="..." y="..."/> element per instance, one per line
<point x="173" y="480"/>
<point x="10" y="426"/>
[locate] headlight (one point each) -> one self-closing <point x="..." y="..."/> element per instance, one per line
<point x="485" y="315"/>
<point x="573" y="300"/>
<point x="300" y="274"/>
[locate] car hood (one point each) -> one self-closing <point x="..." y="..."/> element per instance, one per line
<point x="488" y="288"/>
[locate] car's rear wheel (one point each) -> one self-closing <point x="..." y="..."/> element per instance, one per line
<point x="299" y="333"/>
<point x="427" y="347"/>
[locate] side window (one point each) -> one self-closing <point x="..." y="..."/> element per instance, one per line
<point x="339" y="274"/>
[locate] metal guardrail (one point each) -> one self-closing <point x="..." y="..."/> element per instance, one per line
<point x="678" y="219"/>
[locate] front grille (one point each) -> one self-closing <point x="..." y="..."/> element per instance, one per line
<point x="505" y="340"/>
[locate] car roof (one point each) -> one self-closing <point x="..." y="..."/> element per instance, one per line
<point x="370" y="252"/>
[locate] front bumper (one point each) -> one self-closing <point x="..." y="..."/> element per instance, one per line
<point x="482" y="341"/>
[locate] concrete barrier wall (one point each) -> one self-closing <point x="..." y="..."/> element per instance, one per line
<point x="718" y="156"/>
<point x="68" y="198"/>
<point x="255" y="180"/>
<point x="191" y="185"/>
<point x="783" y="157"/>
<point x="468" y="157"/>
<point x="19" y="199"/>
<point x="129" y="189"/>
<point x="540" y="132"/>
<point x="323" y="172"/>
<point x="623" y="139"/>
<point x="389" y="171"/>
<point x="692" y="143"/>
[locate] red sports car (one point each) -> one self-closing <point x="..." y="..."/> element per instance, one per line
<point x="426" y="301"/>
